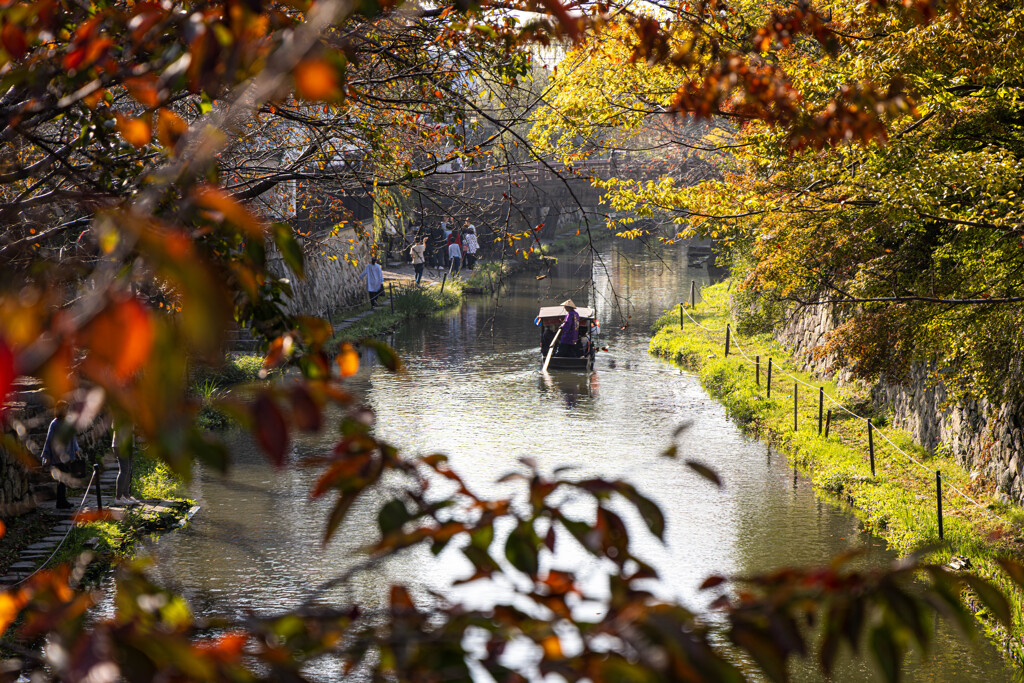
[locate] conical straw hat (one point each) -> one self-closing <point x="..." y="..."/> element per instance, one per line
<point x="568" y="303"/>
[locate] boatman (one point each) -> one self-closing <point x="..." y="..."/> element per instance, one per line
<point x="570" y="330"/>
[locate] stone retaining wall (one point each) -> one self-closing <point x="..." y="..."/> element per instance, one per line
<point x="331" y="282"/>
<point x="986" y="439"/>
<point x="15" y="487"/>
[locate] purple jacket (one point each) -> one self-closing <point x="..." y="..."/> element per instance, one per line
<point x="570" y="328"/>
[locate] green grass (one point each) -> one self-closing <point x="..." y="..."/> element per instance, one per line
<point x="410" y="302"/>
<point x="898" y="503"/>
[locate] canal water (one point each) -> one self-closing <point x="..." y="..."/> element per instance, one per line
<point x="473" y="390"/>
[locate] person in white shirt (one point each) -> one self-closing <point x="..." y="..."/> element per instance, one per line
<point x="455" y="256"/>
<point x="416" y="251"/>
<point x="374" y="276"/>
<point x="472" y="246"/>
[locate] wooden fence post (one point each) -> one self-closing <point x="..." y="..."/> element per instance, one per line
<point x="727" y="330"/>
<point x="693" y="294"/>
<point x="794" y="406"/>
<point x="768" y="383"/>
<point x="821" y="406"/>
<point x="938" y="498"/>
<point x="757" y="370"/>
<point x="828" y="422"/>
<point x="871" y="446"/>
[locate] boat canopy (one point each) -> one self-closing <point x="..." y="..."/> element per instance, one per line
<point x="551" y="314"/>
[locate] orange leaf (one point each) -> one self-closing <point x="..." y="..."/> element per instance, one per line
<point x="10" y="606"/>
<point x="227" y="647"/>
<point x="119" y="340"/>
<point x="215" y="199"/>
<point x="136" y="132"/>
<point x="348" y="360"/>
<point x="56" y="373"/>
<point x="89" y="516"/>
<point x="3" y="528"/>
<point x="144" y="90"/>
<point x="169" y="128"/>
<point x="315" y="79"/>
<point x="552" y="647"/>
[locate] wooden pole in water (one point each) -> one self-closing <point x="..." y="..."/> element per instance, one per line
<point x="794" y="406"/>
<point x="769" y="382"/>
<point x="727" y="330"/>
<point x="821" y="406"/>
<point x="444" y="280"/>
<point x="693" y="293"/>
<point x="938" y="498"/>
<point x="551" y="350"/>
<point x="391" y="293"/>
<point x="757" y="370"/>
<point x="828" y="422"/>
<point x="871" y="446"/>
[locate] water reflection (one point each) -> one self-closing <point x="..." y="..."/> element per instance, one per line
<point x="472" y="390"/>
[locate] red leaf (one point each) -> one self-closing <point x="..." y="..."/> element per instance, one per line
<point x="271" y="429"/>
<point x="305" y="409"/>
<point x="13" y="40"/>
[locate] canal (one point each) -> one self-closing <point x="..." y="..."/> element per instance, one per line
<point x="473" y="390"/>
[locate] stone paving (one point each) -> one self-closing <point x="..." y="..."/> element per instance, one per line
<point x="34" y="555"/>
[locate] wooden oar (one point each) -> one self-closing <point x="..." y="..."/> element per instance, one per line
<point x="551" y="350"/>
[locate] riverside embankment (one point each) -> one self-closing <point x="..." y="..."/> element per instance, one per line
<point x="898" y="501"/>
<point x="472" y="390"/>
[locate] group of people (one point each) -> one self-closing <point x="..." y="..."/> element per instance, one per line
<point x="64" y="458"/>
<point x="443" y="246"/>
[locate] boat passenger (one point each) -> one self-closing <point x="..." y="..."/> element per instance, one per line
<point x="547" y="334"/>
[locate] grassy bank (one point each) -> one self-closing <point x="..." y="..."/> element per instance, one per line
<point x="410" y="302"/>
<point x="898" y="502"/>
<point x="108" y="541"/>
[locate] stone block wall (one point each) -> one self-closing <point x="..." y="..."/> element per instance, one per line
<point x="331" y="282"/>
<point x="986" y="439"/>
<point x="15" y="487"/>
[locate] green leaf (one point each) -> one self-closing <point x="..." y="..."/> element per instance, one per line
<point x="648" y="509"/>
<point x="387" y="355"/>
<point x="289" y="247"/>
<point x="886" y="653"/>
<point x="521" y="549"/>
<point x="392" y="516"/>
<point x="993" y="599"/>
<point x="705" y="471"/>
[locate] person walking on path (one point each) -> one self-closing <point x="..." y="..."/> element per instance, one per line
<point x="436" y="248"/>
<point x="62" y="455"/>
<point x="374" y="276"/>
<point x="416" y="251"/>
<point x="123" y="445"/>
<point x="472" y="246"/>
<point x="570" y="330"/>
<point x="455" y="256"/>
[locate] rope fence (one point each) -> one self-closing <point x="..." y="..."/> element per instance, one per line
<point x="732" y="338"/>
<point x="68" y="533"/>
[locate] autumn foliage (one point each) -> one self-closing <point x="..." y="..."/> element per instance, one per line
<point x="132" y="245"/>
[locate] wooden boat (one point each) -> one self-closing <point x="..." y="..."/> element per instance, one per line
<point x="549" y="319"/>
